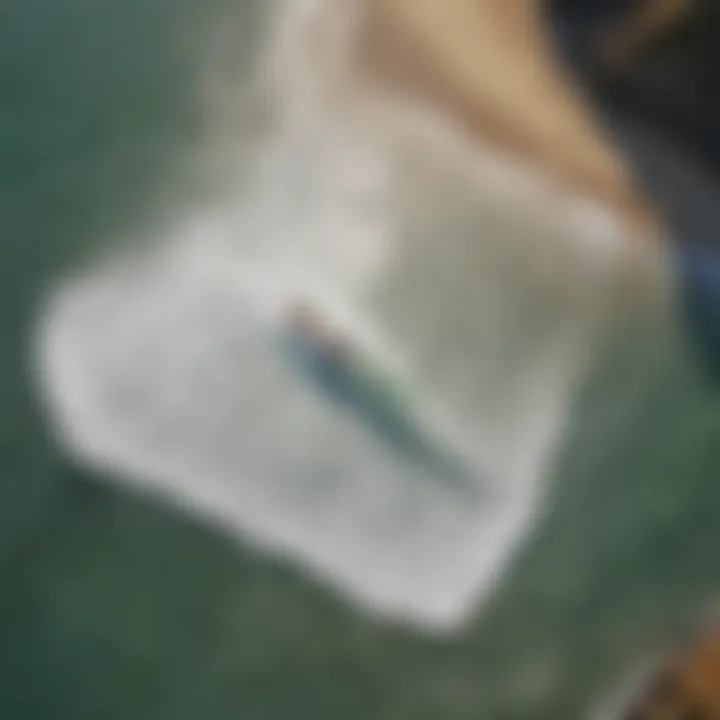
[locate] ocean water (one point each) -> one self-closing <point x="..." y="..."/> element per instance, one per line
<point x="247" y="551"/>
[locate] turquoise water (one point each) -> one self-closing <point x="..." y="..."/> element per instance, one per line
<point x="113" y="607"/>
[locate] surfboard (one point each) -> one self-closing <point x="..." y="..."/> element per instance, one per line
<point x="359" y="383"/>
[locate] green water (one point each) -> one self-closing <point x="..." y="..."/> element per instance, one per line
<point x="111" y="607"/>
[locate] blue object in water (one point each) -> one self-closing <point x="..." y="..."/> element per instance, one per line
<point x="699" y="269"/>
<point x="347" y="382"/>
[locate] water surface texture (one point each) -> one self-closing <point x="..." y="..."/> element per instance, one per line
<point x="189" y="527"/>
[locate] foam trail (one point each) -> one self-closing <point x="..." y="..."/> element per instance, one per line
<point x="164" y="369"/>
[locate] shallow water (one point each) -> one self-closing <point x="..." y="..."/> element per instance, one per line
<point x="607" y="460"/>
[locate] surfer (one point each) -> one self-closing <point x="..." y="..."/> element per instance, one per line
<point x="322" y="349"/>
<point x="341" y="371"/>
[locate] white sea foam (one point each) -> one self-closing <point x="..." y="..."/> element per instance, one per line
<point x="164" y="370"/>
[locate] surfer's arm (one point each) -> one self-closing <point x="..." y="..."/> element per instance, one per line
<point x="492" y="61"/>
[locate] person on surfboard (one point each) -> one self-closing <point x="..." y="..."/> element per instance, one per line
<point x="352" y="381"/>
